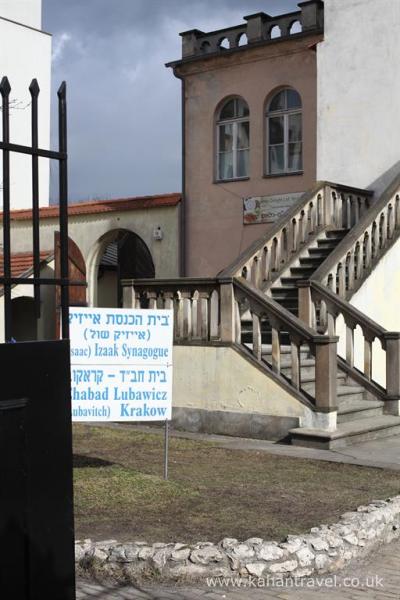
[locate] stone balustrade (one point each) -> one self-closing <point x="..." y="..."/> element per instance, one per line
<point x="211" y="311"/>
<point x="320" y="308"/>
<point x="327" y="206"/>
<point x="259" y="28"/>
<point x="373" y="233"/>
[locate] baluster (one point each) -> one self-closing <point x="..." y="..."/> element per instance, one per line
<point x="276" y="346"/>
<point x="296" y="364"/>
<point x="194" y="308"/>
<point x="391" y="221"/>
<point x="265" y="264"/>
<point x="256" y="335"/>
<point x="349" y="203"/>
<point x="255" y="274"/>
<point x="320" y="211"/>
<point x="350" y="269"/>
<point x="333" y="209"/>
<point x="356" y="210"/>
<point x="186" y="315"/>
<point x="382" y="231"/>
<point x="375" y="239"/>
<point x="350" y="326"/>
<point x="367" y="250"/>
<point x="214" y="315"/>
<point x="128" y="297"/>
<point x="367" y="355"/>
<point x="295" y="236"/>
<point x="322" y="316"/>
<point x="341" y="274"/>
<point x="313" y="222"/>
<point x="303" y="227"/>
<point x="152" y="298"/>
<point x="331" y="323"/>
<point x="397" y="211"/>
<point x="359" y="261"/>
<point x="202" y="315"/>
<point x="178" y="313"/>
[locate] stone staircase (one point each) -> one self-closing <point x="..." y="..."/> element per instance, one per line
<point x="360" y="416"/>
<point x="278" y="304"/>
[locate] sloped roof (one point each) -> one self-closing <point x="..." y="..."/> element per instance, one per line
<point x="101" y="206"/>
<point x="22" y="263"/>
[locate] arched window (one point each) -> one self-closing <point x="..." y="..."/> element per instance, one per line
<point x="233" y="140"/>
<point x="284" y="131"/>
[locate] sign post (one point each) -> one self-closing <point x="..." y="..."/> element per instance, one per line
<point x="121" y="366"/>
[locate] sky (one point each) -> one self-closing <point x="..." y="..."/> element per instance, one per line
<point x="123" y="103"/>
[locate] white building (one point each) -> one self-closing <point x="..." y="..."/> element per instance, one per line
<point x="25" y="54"/>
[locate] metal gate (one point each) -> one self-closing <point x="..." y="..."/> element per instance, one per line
<point x="36" y="497"/>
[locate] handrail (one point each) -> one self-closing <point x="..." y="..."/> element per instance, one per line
<point x="209" y="310"/>
<point x="326" y="205"/>
<point x="315" y="298"/>
<point x="345" y="268"/>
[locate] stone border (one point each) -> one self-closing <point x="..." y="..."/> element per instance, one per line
<point x="325" y="549"/>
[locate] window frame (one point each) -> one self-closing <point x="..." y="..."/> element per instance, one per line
<point x="235" y="122"/>
<point x="286" y="114"/>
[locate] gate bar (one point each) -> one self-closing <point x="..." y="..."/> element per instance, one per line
<point x="34" y="91"/>
<point x="63" y="179"/>
<point x="5" y="89"/>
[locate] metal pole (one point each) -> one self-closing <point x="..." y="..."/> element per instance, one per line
<point x="5" y="94"/>
<point x="166" y="439"/>
<point x="34" y="91"/>
<point x="63" y="186"/>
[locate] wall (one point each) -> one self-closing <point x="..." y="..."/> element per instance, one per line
<point x="245" y="403"/>
<point x="26" y="54"/>
<point x="215" y="233"/>
<point x="27" y="12"/>
<point x="87" y="231"/>
<point x="378" y="298"/>
<point x="358" y="90"/>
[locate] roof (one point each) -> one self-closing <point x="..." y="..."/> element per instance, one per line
<point x="23" y="262"/>
<point x="101" y="206"/>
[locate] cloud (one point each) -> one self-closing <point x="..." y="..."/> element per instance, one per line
<point x="124" y="105"/>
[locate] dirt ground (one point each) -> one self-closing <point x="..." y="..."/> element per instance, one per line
<point x="211" y="493"/>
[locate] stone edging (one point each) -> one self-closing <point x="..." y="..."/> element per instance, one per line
<point x="326" y="548"/>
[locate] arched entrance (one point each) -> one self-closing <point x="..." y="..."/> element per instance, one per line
<point x="121" y="254"/>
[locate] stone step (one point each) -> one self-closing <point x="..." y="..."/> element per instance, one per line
<point x="345" y="393"/>
<point x="356" y="410"/>
<point x="327" y="243"/>
<point x="303" y="271"/>
<point x="308" y="373"/>
<point x="347" y="434"/>
<point x="319" y="252"/>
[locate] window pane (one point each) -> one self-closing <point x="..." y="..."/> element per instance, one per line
<point x="293" y="99"/>
<point x="278" y="102"/>
<point x="295" y="157"/>
<point x="295" y="132"/>
<point x="228" y="110"/>
<point x="242" y="163"/>
<point x="276" y="130"/>
<point x="276" y="159"/>
<point x="225" y="138"/>
<point x="242" y="108"/>
<point x="243" y="135"/>
<point x="225" y="170"/>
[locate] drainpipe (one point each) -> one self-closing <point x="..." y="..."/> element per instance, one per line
<point x="182" y="223"/>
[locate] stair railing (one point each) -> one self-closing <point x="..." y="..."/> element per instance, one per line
<point x="320" y="308"/>
<point x="347" y="267"/>
<point x="207" y="312"/>
<point x="326" y="206"/>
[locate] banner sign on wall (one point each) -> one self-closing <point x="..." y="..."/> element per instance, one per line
<point x="121" y="364"/>
<point x="267" y="209"/>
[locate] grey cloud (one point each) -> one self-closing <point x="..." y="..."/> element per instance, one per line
<point x="124" y="105"/>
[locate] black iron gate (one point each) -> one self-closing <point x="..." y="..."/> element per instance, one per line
<point x="36" y="498"/>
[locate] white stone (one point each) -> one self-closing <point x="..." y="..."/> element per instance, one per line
<point x="145" y="553"/>
<point x="319" y="543"/>
<point x="206" y="555"/>
<point x="351" y="539"/>
<point x="305" y="557"/>
<point x="255" y="541"/>
<point x="180" y="554"/>
<point x="268" y="551"/>
<point x="256" y="569"/>
<point x="100" y="554"/>
<point x="161" y="556"/>
<point x="321" y="561"/>
<point x="228" y="543"/>
<point x="284" y="567"/>
<point x="243" y="551"/>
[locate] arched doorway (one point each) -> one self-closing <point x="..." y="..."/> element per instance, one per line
<point x="24" y="324"/>
<point x="122" y="255"/>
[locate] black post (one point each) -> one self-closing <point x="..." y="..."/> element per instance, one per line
<point x="63" y="190"/>
<point x="34" y="90"/>
<point x="5" y="90"/>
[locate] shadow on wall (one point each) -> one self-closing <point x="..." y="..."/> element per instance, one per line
<point x="384" y="180"/>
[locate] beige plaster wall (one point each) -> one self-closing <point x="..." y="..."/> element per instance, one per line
<point x="219" y="378"/>
<point x="214" y="211"/>
<point x="378" y="298"/>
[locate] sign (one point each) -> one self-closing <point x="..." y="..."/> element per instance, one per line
<point x="121" y="364"/>
<point x="267" y="209"/>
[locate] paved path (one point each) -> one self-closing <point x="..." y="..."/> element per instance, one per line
<point x="381" y="570"/>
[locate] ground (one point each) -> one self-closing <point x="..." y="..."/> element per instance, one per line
<point x="212" y="492"/>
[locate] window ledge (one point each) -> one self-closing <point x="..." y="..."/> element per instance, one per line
<point x="231" y="180"/>
<point x="287" y="174"/>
